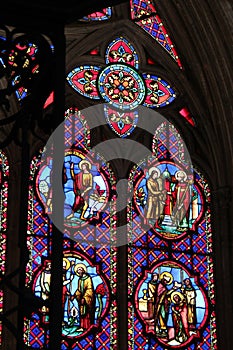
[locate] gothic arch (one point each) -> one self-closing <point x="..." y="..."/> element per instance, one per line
<point x="201" y="34"/>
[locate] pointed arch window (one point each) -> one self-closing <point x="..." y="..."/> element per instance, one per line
<point x="171" y="284"/>
<point x="170" y="264"/>
<point x="170" y="293"/>
<point x="88" y="296"/>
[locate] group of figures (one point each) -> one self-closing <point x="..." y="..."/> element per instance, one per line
<point x="171" y="309"/>
<point x="165" y="195"/>
<point x="85" y="188"/>
<point x="167" y="199"/>
<point x="170" y="303"/>
<point x="84" y="295"/>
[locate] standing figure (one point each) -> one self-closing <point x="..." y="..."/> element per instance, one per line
<point x="46" y="195"/>
<point x="66" y="282"/>
<point x="181" y="200"/>
<point x="180" y="317"/>
<point x="155" y="198"/>
<point x="83" y="182"/>
<point x="190" y="295"/>
<point x="45" y="281"/>
<point x="85" y="297"/>
<point x="168" y="198"/>
<point x="162" y="305"/>
<point x="152" y="294"/>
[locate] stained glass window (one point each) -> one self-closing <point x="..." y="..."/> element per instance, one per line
<point x="28" y="51"/>
<point x="4" y="174"/>
<point x="89" y="265"/>
<point x="120" y="82"/>
<point x="171" y="278"/>
<point x="145" y="16"/>
<point x="23" y="62"/>
<point x="103" y="15"/>
<point x="170" y="295"/>
<point x="187" y="115"/>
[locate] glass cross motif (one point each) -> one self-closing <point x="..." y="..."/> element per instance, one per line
<point x="121" y="85"/>
<point x="119" y="82"/>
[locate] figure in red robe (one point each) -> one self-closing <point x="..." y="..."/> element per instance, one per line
<point x="83" y="182"/>
<point x="180" y="317"/>
<point x="181" y="197"/>
<point x="85" y="296"/>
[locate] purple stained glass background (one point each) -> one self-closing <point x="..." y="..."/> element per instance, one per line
<point x="101" y="260"/>
<point x="190" y="253"/>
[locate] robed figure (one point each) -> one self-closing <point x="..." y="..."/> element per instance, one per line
<point x="152" y="294"/>
<point x="190" y="295"/>
<point x="180" y="317"/>
<point x="156" y="196"/>
<point x="181" y="200"/>
<point x="83" y="182"/>
<point x="162" y="303"/>
<point x="85" y="297"/>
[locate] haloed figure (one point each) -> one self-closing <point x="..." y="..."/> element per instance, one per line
<point x="182" y="200"/>
<point x="162" y="305"/>
<point x="85" y="297"/>
<point x="83" y="182"/>
<point x="152" y="293"/>
<point x="179" y="316"/>
<point x="155" y="199"/>
<point x="190" y="295"/>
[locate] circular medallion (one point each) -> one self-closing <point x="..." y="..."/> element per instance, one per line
<point x="172" y="304"/>
<point x="78" y="318"/>
<point x="85" y="188"/>
<point x="166" y="197"/>
<point x="121" y="86"/>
